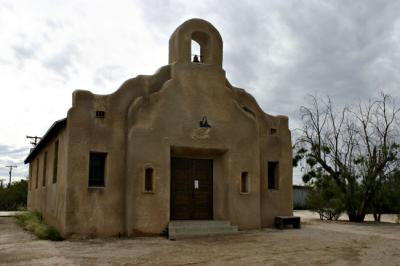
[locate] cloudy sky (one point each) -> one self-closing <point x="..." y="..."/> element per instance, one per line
<point x="280" y="51"/>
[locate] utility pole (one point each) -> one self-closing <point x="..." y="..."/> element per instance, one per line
<point x="35" y="140"/>
<point x="10" y="173"/>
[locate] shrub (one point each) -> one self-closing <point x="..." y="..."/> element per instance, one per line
<point x="33" y="222"/>
<point x="325" y="199"/>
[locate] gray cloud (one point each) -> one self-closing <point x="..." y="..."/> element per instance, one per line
<point x="13" y="156"/>
<point x="63" y="61"/>
<point x="161" y="15"/>
<point x="341" y="45"/>
<point x="54" y="24"/>
<point x="24" y="51"/>
<point x="29" y="45"/>
<point x="11" y="151"/>
<point x="106" y="74"/>
<point x="343" y="49"/>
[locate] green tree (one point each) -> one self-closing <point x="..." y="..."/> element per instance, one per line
<point x="387" y="199"/>
<point x="355" y="147"/>
<point x="13" y="196"/>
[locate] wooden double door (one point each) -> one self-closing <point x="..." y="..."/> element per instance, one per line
<point x="191" y="189"/>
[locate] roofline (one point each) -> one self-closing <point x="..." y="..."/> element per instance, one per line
<point x="51" y="132"/>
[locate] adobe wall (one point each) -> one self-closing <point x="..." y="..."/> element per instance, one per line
<point x="274" y="147"/>
<point x="50" y="200"/>
<point x="101" y="211"/>
<point x="170" y="118"/>
<point x="275" y="202"/>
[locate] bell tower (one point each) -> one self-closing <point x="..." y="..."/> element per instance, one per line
<point x="204" y="34"/>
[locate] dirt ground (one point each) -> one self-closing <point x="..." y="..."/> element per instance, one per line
<point x="316" y="243"/>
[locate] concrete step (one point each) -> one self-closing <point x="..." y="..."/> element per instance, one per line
<point x="196" y="223"/>
<point x="180" y="229"/>
<point x="204" y="230"/>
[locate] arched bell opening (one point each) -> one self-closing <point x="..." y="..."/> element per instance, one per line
<point x="196" y="56"/>
<point x="200" y="47"/>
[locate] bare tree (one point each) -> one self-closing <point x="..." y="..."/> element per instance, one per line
<point x="356" y="146"/>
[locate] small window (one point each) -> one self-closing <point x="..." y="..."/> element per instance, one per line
<point x="30" y="176"/>
<point x="97" y="165"/>
<point x="273" y="175"/>
<point x="100" y="114"/>
<point x="148" y="180"/>
<point x="44" y="169"/>
<point x="55" y="162"/>
<point x="244" y="184"/>
<point x="37" y="173"/>
<point x="249" y="111"/>
<point x="273" y="131"/>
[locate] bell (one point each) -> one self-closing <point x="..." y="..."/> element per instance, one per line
<point x="204" y="122"/>
<point x="196" y="59"/>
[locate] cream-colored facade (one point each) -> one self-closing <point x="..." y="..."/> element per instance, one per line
<point x="150" y="134"/>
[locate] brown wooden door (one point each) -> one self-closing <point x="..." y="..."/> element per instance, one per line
<point x="191" y="189"/>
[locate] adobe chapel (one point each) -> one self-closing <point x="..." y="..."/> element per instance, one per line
<point x="182" y="144"/>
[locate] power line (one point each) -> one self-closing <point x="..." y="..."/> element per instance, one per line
<point x="10" y="172"/>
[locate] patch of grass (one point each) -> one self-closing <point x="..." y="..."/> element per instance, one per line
<point x="33" y="222"/>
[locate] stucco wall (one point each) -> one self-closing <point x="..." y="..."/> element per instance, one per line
<point x="170" y="118"/>
<point x="49" y="200"/>
<point x="276" y="148"/>
<point x="101" y="211"/>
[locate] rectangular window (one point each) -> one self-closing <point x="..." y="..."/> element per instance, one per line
<point x="97" y="165"/>
<point x="30" y="176"/>
<point x="273" y="175"/>
<point x="44" y="169"/>
<point x="37" y="173"/>
<point x="244" y="185"/>
<point x="148" y="180"/>
<point x="100" y="114"/>
<point x="55" y="162"/>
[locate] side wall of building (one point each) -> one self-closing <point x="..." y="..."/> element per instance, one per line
<point x="47" y="191"/>
<point x="276" y="148"/>
<point x="95" y="211"/>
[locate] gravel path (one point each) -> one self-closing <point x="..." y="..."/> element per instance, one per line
<point x="317" y="243"/>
